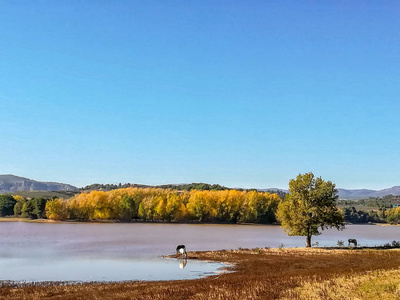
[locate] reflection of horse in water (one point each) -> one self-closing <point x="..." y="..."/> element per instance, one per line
<point x="353" y="241"/>
<point x="181" y="250"/>
<point x="182" y="263"/>
<point x="182" y="254"/>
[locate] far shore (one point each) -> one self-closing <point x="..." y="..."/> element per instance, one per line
<point x="14" y="219"/>
<point x="19" y="219"/>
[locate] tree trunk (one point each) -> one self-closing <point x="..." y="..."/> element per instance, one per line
<point x="308" y="243"/>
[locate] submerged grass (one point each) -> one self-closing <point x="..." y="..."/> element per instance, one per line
<point x="293" y="273"/>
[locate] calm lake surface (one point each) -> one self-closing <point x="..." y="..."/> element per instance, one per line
<point x="118" y="252"/>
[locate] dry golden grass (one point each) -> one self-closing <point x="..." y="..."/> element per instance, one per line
<point x="295" y="273"/>
<point x="373" y="285"/>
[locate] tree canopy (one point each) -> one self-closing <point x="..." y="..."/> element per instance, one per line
<point x="309" y="207"/>
<point x="7" y="203"/>
<point x="168" y="205"/>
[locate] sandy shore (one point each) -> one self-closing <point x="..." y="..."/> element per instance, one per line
<point x="3" y="219"/>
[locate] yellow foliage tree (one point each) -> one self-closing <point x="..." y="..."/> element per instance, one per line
<point x="171" y="205"/>
<point x="19" y="205"/>
<point x="56" y="209"/>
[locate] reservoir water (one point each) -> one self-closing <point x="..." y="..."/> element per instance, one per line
<point x="121" y="251"/>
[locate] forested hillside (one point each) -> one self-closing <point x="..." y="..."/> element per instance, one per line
<point x="180" y="187"/>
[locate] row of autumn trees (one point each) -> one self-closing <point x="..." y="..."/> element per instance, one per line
<point x="167" y="205"/>
<point x="156" y="204"/>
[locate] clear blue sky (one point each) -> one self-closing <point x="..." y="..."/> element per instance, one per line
<point x="240" y="93"/>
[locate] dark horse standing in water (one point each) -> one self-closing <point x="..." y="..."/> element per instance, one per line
<point x="181" y="249"/>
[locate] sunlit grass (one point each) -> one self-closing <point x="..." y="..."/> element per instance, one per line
<point x="372" y="285"/>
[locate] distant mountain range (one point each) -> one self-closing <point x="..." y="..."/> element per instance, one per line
<point x="11" y="183"/>
<point x="364" y="193"/>
<point x="357" y="194"/>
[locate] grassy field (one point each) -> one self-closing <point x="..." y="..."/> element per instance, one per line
<point x="294" y="273"/>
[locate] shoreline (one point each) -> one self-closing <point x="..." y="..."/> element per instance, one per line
<point x="258" y="274"/>
<point x="14" y="219"/>
<point x="19" y="219"/>
<point x="227" y="267"/>
<point x="139" y="221"/>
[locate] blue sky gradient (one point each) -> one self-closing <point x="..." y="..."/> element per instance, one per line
<point x="240" y="93"/>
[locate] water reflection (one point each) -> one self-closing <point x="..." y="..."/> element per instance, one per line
<point x="182" y="263"/>
<point x="90" y="251"/>
<point x="86" y="270"/>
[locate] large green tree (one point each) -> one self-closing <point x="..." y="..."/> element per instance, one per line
<point x="34" y="208"/>
<point x="7" y="203"/>
<point x="309" y="207"/>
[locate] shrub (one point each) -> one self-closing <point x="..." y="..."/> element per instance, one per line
<point x="396" y="244"/>
<point x="7" y="203"/>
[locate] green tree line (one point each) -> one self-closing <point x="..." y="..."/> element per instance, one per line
<point x="179" y="187"/>
<point x="373" y="202"/>
<point x="21" y="207"/>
